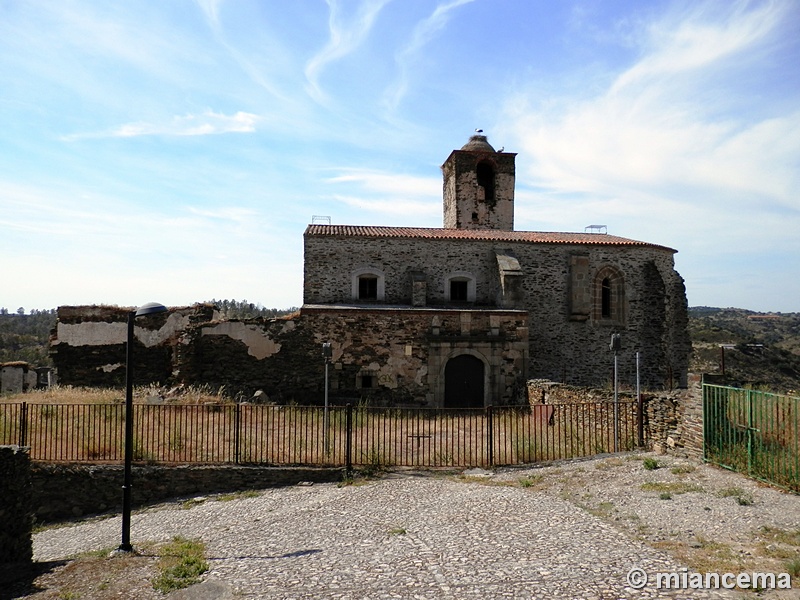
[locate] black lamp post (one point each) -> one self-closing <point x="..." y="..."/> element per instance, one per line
<point x="147" y="309"/>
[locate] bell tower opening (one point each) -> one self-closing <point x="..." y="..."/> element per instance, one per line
<point x="485" y="176"/>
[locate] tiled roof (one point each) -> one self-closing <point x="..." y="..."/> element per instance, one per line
<point x="530" y="237"/>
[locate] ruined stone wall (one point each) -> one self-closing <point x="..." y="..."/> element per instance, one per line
<point x="381" y="356"/>
<point x="399" y="352"/>
<point x="88" y="345"/>
<point x="16" y="377"/>
<point x="277" y="356"/>
<point x="653" y="313"/>
<point x="16" y="514"/>
<point x="673" y="421"/>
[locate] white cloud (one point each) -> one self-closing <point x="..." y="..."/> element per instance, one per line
<point x="387" y="183"/>
<point x="654" y="128"/>
<point x="383" y="193"/>
<point x="414" y="211"/>
<point x="345" y="36"/>
<point x="207" y="123"/>
<point x="422" y="34"/>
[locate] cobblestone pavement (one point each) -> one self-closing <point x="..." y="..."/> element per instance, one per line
<point x="405" y="536"/>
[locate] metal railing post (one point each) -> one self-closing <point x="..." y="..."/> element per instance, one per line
<point x="490" y="441"/>
<point x="23" y="424"/>
<point x="348" y="448"/>
<point x="237" y="436"/>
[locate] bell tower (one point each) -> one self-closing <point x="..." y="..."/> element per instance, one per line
<point x="479" y="187"/>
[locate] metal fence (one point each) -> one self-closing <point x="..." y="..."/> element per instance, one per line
<point x="303" y="435"/>
<point x="753" y="432"/>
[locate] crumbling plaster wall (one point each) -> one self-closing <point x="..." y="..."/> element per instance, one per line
<point x="88" y="345"/>
<point x="382" y="356"/>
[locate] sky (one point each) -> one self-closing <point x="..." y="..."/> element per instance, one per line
<point x="176" y="151"/>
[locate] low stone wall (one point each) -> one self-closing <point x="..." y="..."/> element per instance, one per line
<point x="673" y="421"/>
<point x="62" y="492"/>
<point x="16" y="522"/>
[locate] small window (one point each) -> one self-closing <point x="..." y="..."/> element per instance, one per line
<point x="458" y="290"/>
<point x="459" y="287"/>
<point x="605" y="298"/>
<point x="608" y="303"/>
<point x="367" y="381"/>
<point x="367" y="287"/>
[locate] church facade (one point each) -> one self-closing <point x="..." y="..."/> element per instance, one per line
<point x="458" y="316"/>
<point x="463" y="315"/>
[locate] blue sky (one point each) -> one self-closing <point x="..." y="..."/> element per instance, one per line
<point x="175" y="151"/>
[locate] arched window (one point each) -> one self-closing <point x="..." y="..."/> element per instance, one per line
<point x="368" y="285"/>
<point x="608" y="297"/>
<point x="605" y="298"/>
<point x="485" y="174"/>
<point x="459" y="287"/>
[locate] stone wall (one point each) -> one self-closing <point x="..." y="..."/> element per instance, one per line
<point x="16" y="518"/>
<point x="382" y="356"/>
<point x="17" y="377"/>
<point x="673" y="421"/>
<point x="400" y="351"/>
<point x="653" y="311"/>
<point x="88" y="345"/>
<point x="62" y="492"/>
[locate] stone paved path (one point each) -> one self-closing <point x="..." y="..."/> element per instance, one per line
<point x="402" y="537"/>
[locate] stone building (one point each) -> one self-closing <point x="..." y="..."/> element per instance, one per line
<point x="458" y="316"/>
<point x="470" y="311"/>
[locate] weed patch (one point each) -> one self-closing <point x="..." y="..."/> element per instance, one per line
<point x="181" y="564"/>
<point x="682" y="469"/>
<point x="677" y="487"/>
<point x="742" y="498"/>
<point x="650" y="464"/>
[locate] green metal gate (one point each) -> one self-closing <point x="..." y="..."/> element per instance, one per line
<point x="753" y="432"/>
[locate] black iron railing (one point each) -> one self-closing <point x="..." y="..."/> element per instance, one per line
<point x="284" y="435"/>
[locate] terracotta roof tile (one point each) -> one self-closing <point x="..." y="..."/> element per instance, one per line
<point x="530" y="237"/>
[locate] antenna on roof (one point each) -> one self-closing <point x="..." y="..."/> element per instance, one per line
<point x="320" y="219"/>
<point x="595" y="229"/>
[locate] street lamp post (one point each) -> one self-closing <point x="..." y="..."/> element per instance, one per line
<point x="616" y="346"/>
<point x="327" y="354"/>
<point x="146" y="309"/>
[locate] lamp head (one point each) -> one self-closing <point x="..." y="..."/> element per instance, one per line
<point x="150" y="308"/>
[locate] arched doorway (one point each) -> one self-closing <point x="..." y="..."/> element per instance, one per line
<point x="464" y="382"/>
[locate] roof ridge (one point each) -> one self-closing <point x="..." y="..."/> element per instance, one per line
<point x="542" y="237"/>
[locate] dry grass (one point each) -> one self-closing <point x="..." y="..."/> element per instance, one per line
<point x="67" y="394"/>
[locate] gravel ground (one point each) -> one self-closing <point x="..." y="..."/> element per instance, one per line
<point x="569" y="530"/>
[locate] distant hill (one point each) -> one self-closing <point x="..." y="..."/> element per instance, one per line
<point x="760" y="349"/>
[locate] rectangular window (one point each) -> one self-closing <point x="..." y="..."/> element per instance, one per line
<point x="367" y="381"/>
<point x="458" y="290"/>
<point x="367" y="288"/>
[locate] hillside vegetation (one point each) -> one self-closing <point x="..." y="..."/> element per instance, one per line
<point x="761" y="350"/>
<point x="758" y="349"/>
